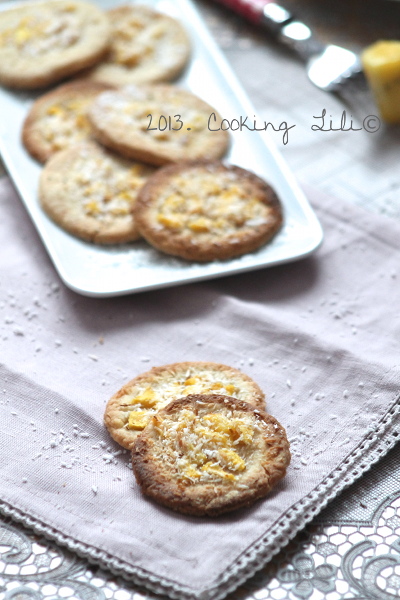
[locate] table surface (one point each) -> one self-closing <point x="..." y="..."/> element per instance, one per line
<point x="352" y="550"/>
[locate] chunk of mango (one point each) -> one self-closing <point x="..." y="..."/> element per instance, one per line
<point x="55" y="109"/>
<point x="232" y="459"/>
<point x="214" y="470"/>
<point x="381" y="63"/>
<point x="192" y="473"/>
<point x="92" y="208"/>
<point x="147" y="399"/>
<point x="200" y="225"/>
<point x="230" y="388"/>
<point x="172" y="222"/>
<point x="138" y="419"/>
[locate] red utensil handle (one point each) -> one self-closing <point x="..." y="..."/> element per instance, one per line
<point x="252" y="10"/>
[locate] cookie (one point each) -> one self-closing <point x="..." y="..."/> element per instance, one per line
<point x="207" y="211"/>
<point x="209" y="454"/>
<point x="89" y="192"/>
<point x="58" y="119"/>
<point x="158" y="124"/>
<point x="43" y="42"/>
<point x="146" y="47"/>
<point x="132" y="407"/>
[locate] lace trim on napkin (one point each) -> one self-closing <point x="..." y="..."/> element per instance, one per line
<point x="377" y="443"/>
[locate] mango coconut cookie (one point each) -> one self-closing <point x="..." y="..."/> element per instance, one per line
<point x="209" y="454"/>
<point x="90" y="192"/>
<point x="206" y="211"/>
<point x="158" y="124"/>
<point x="57" y="120"/>
<point x="146" y="46"/>
<point x="132" y="407"/>
<point x="43" y="42"/>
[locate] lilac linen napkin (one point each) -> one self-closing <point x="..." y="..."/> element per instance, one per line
<point x="320" y="336"/>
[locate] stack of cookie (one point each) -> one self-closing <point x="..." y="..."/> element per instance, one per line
<point x="201" y="442"/>
<point x="108" y="137"/>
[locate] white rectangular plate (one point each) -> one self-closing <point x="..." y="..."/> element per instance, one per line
<point x="111" y="271"/>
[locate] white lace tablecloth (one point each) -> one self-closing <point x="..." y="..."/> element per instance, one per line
<point x="353" y="549"/>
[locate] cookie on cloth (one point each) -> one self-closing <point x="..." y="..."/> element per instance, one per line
<point x="90" y="192"/>
<point x="133" y="406"/>
<point x="205" y="211"/>
<point x="158" y="124"/>
<point x="209" y="454"/>
<point x="43" y="42"/>
<point x="58" y="119"/>
<point x="146" y="46"/>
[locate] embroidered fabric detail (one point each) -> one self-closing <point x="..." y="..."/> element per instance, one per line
<point x="374" y="446"/>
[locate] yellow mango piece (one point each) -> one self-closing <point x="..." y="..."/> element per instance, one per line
<point x="125" y="196"/>
<point x="218" y="471"/>
<point x="172" y="222"/>
<point x="381" y="63"/>
<point x="147" y="399"/>
<point x="200" y="225"/>
<point x="135" y="23"/>
<point x="120" y="211"/>
<point x="123" y="57"/>
<point x="88" y="190"/>
<point x="245" y="432"/>
<point x="201" y="458"/>
<point x="213" y="188"/>
<point x="232" y="459"/>
<point x="218" y="422"/>
<point x="57" y="146"/>
<point x="92" y="208"/>
<point x="226" y="196"/>
<point x="216" y="437"/>
<point x="22" y="35"/>
<point x="137" y="170"/>
<point x="195" y="207"/>
<point x="230" y="388"/>
<point x="192" y="473"/>
<point x="173" y="202"/>
<point x="138" y="419"/>
<point x="123" y="34"/>
<point x="82" y="122"/>
<point x="216" y="386"/>
<point x="219" y="223"/>
<point x="134" y="182"/>
<point x="234" y="428"/>
<point x="55" y="110"/>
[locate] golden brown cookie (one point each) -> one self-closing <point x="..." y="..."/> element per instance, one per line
<point x="146" y="47"/>
<point x="209" y="454"/>
<point x="131" y="408"/>
<point x="43" y="42"/>
<point x="157" y="124"/>
<point x="89" y="192"/>
<point x="57" y="120"/>
<point x="207" y="211"/>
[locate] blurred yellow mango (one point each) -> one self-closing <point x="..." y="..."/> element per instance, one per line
<point x="381" y="63"/>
